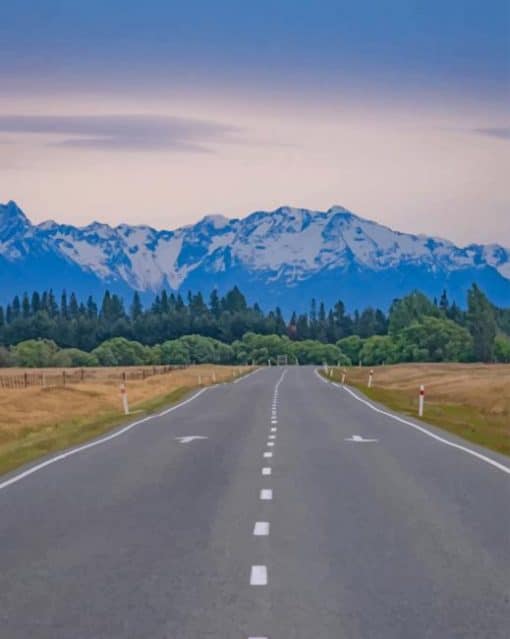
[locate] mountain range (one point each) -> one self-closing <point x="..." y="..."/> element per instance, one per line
<point x="279" y="258"/>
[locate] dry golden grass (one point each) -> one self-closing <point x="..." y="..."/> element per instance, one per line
<point x="37" y="420"/>
<point x="471" y="400"/>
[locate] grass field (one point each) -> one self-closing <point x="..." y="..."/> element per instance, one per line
<point x="35" y="421"/>
<point x="470" y="400"/>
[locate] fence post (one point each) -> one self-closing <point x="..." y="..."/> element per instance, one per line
<point x="82" y="374"/>
<point x="370" y="378"/>
<point x="343" y="377"/>
<point x="64" y="378"/>
<point x="25" y="376"/>
<point x="421" y="401"/>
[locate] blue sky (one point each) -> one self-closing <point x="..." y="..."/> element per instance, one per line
<point x="145" y="100"/>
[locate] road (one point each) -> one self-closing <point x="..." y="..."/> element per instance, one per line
<point x="151" y="534"/>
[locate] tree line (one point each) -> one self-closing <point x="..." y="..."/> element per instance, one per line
<point x="175" y="330"/>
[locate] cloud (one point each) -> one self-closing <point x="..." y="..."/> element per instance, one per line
<point x="124" y="132"/>
<point x="495" y="132"/>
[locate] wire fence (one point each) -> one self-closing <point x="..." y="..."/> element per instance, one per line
<point x="66" y="377"/>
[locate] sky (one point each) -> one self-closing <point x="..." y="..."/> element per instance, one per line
<point x="160" y="112"/>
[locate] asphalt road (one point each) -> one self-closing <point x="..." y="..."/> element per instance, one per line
<point x="146" y="536"/>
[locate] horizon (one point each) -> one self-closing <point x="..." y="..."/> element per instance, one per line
<point x="238" y="218"/>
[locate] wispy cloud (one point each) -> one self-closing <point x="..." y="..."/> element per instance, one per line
<point x="124" y="132"/>
<point x="495" y="132"/>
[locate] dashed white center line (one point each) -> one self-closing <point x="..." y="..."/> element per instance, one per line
<point x="258" y="576"/>
<point x="272" y="436"/>
<point x="266" y="470"/>
<point x="266" y="494"/>
<point x="268" y="454"/>
<point x="261" y="529"/>
<point x="270" y="444"/>
<point x="274" y="421"/>
<point x="274" y="429"/>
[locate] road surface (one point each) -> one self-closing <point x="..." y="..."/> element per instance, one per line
<point x="259" y="510"/>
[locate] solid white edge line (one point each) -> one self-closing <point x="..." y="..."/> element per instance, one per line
<point x="97" y="442"/>
<point x="423" y="430"/>
<point x="240" y="379"/>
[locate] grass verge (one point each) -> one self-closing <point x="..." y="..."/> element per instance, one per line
<point x="37" y="442"/>
<point x="479" y="424"/>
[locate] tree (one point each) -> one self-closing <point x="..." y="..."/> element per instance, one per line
<point x="482" y="324"/>
<point x="409" y="309"/>
<point x="35" y="353"/>
<point x="435" y="339"/>
<point x="136" y="306"/>
<point x="379" y="349"/>
<point x="502" y="349"/>
<point x="351" y="346"/>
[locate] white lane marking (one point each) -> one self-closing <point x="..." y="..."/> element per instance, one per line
<point x="266" y="470"/>
<point x="268" y="454"/>
<point x="258" y="576"/>
<point x="270" y="444"/>
<point x="257" y="637"/>
<point x="186" y="439"/>
<point x="261" y="529"/>
<point x="272" y="436"/>
<point x="240" y="379"/>
<point x="274" y="429"/>
<point x="359" y="439"/>
<point x="442" y="440"/>
<point x="274" y="421"/>
<point x="172" y="408"/>
<point x="97" y="442"/>
<point x="266" y="494"/>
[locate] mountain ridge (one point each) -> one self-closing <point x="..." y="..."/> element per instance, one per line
<point x="286" y="254"/>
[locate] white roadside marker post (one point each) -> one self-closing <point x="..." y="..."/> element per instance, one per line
<point x="343" y="377"/>
<point x="370" y="378"/>
<point x="421" y="401"/>
<point x="214" y="378"/>
<point x="124" y="398"/>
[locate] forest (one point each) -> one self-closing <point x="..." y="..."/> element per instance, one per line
<point x="43" y="330"/>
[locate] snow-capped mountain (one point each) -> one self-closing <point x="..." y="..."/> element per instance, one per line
<point x="284" y="257"/>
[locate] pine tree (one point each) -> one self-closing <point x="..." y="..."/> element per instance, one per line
<point x="482" y="324"/>
<point x="136" y="306"/>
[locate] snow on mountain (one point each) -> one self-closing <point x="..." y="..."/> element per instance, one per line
<point x="279" y="253"/>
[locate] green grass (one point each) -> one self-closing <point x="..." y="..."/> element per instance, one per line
<point x="37" y="442"/>
<point x="490" y="431"/>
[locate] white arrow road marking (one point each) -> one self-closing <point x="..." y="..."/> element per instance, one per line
<point x="359" y="439"/>
<point x="186" y="439"/>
